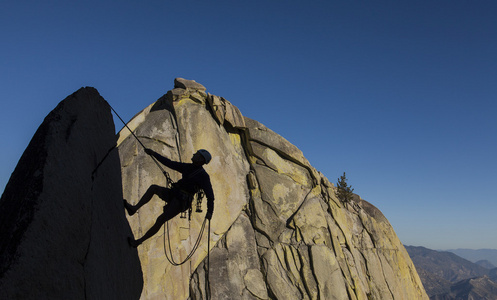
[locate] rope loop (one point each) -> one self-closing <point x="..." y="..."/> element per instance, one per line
<point x="192" y="252"/>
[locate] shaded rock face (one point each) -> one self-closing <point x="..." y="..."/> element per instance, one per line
<point x="62" y="226"/>
<point x="278" y="230"/>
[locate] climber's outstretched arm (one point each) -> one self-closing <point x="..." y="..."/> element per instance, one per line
<point x="177" y="166"/>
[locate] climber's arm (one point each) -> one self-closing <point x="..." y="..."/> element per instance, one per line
<point x="210" y="208"/>
<point x="209" y="193"/>
<point x="177" y="166"/>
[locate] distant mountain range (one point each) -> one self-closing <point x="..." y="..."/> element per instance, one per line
<point x="447" y="276"/>
<point x="485" y="263"/>
<point x="477" y="255"/>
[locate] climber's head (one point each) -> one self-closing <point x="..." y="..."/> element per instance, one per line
<point x="201" y="157"/>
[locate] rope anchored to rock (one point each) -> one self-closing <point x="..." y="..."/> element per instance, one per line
<point x="166" y="174"/>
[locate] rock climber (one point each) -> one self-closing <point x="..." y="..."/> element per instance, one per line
<point x="179" y="198"/>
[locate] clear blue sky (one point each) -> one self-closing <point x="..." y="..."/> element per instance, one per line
<point x="401" y="95"/>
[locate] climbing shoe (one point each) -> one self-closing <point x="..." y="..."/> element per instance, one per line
<point x="129" y="208"/>
<point x="133" y="243"/>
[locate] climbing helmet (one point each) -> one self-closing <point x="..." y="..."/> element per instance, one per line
<point x="207" y="156"/>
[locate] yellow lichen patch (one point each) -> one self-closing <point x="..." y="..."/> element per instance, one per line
<point x="253" y="160"/>
<point x="280" y="192"/>
<point x="236" y="142"/>
<point x="235" y="139"/>
<point x="183" y="100"/>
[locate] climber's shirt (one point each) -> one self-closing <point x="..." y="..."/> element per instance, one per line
<point x="194" y="177"/>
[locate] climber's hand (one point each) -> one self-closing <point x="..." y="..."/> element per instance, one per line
<point x="148" y="151"/>
<point x="208" y="215"/>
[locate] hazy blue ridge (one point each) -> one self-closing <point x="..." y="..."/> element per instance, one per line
<point x="447" y="275"/>
<point x="477" y="255"/>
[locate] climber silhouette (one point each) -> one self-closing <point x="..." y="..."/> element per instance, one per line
<point x="179" y="198"/>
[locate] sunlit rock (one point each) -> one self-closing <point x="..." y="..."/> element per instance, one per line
<point x="278" y="230"/>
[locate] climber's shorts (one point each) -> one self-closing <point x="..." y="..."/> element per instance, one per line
<point x="178" y="198"/>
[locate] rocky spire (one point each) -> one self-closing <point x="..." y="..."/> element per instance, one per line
<point x="62" y="226"/>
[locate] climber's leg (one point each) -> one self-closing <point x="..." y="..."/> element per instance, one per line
<point x="152" y="190"/>
<point x="170" y="211"/>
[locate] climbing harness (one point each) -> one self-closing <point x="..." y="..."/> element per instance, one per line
<point x="198" y="205"/>
<point x="198" y="195"/>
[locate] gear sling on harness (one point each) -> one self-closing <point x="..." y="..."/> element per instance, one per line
<point x="186" y="198"/>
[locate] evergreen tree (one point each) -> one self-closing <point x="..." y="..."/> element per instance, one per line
<point x="344" y="191"/>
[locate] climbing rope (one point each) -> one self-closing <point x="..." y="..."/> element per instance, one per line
<point x="197" y="243"/>
<point x="169" y="184"/>
<point x="168" y="178"/>
<point x="207" y="282"/>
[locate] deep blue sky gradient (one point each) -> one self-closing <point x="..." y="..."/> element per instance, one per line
<point x="401" y="95"/>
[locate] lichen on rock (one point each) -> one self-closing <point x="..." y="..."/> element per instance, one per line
<point x="278" y="230"/>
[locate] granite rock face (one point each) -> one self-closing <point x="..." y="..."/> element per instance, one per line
<point x="62" y="226"/>
<point x="177" y="132"/>
<point x="278" y="230"/>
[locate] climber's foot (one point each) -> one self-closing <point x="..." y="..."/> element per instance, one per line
<point x="133" y="243"/>
<point x="129" y="208"/>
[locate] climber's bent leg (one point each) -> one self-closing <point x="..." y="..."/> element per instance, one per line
<point x="152" y="190"/>
<point x="170" y="211"/>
